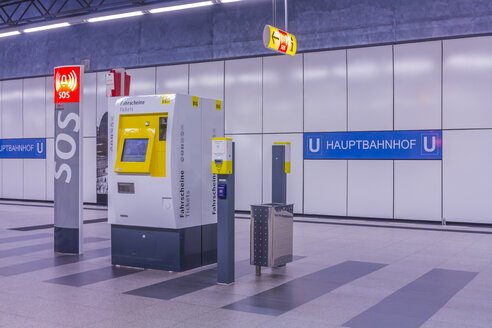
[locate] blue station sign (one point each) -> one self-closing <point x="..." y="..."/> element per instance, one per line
<point x="374" y="145"/>
<point x="23" y="148"/>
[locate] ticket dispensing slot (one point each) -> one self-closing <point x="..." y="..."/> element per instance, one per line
<point x="142" y="144"/>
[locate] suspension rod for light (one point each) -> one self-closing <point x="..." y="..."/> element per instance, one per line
<point x="286" y="16"/>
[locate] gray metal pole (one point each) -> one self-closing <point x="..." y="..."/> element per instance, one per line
<point x="274" y="7"/>
<point x="279" y="177"/>
<point x="286" y="16"/>
<point x="225" y="227"/>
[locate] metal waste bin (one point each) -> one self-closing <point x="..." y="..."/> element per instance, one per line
<point x="271" y="235"/>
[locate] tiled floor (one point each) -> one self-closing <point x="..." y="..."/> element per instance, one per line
<point x="346" y="273"/>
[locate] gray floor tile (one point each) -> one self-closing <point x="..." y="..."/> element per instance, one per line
<point x="415" y="303"/>
<point x="294" y="293"/>
<point x="52" y="262"/>
<point x="93" y="276"/>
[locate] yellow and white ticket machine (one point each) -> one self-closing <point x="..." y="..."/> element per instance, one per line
<point x="161" y="189"/>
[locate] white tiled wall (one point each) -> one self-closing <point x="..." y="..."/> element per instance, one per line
<point x="243" y="96"/>
<point x="50" y="169"/>
<point x="12" y="123"/>
<point x="325" y="187"/>
<point x="29" y="113"/>
<point x="370" y="88"/>
<point x="89" y="105"/>
<point x="467" y="81"/>
<point x="418" y="86"/>
<point x="282" y="94"/>
<point x="13" y="178"/>
<point x="467" y="176"/>
<point x="34" y="179"/>
<point x="248" y="165"/>
<point x="207" y="80"/>
<point x="49" y="107"/>
<point x="418" y="190"/>
<point x="172" y="79"/>
<point x="370" y="188"/>
<point x="101" y="99"/>
<point x="414" y="86"/>
<point x="325" y="91"/>
<point x="89" y="173"/>
<point x="142" y="81"/>
<point x="34" y="98"/>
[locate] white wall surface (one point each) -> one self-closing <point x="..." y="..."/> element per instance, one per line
<point x="101" y="99"/>
<point x="277" y="98"/>
<point x="282" y="94"/>
<point x="142" y="81"/>
<point x="325" y="187"/>
<point x="243" y="96"/>
<point x="1" y="178"/>
<point x="207" y="80"/>
<point x="370" y="88"/>
<point x="325" y="91"/>
<point x="294" y="179"/>
<point x="50" y="169"/>
<point x="172" y="79"/>
<point x="13" y="178"/>
<point x="50" y="106"/>
<point x="467" y="81"/>
<point x="418" y="86"/>
<point x="89" y="173"/>
<point x="418" y="190"/>
<point x="248" y="167"/>
<point x="12" y="123"/>
<point x="34" y="99"/>
<point x="89" y="104"/>
<point x="467" y="176"/>
<point x="370" y="188"/>
<point x="34" y="179"/>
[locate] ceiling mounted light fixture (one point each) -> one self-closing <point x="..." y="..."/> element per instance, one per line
<point x="6" y="34"/>
<point x="116" y="16"/>
<point x="46" y="27"/>
<point x="181" y="7"/>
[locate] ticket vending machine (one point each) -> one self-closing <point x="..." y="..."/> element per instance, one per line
<point x="162" y="199"/>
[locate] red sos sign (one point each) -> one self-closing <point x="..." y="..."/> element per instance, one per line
<point x="67" y="85"/>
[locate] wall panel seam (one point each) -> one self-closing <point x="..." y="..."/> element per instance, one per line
<point x="442" y="126"/>
<point x="393" y="94"/>
<point x="303" y="130"/>
<point x="262" y="127"/>
<point x="346" y="128"/>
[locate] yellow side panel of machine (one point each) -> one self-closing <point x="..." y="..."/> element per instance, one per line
<point x="142" y="128"/>
<point x="225" y="167"/>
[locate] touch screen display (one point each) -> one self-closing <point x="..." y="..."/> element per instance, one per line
<point x="134" y="150"/>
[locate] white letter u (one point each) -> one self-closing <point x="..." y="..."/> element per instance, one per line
<point x="39" y="147"/>
<point x="427" y="149"/>
<point x="311" y="145"/>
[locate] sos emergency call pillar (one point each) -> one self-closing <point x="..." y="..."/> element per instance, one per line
<point x="68" y="159"/>
<point x="223" y="166"/>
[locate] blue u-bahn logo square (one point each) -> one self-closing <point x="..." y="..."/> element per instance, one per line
<point x="313" y="146"/>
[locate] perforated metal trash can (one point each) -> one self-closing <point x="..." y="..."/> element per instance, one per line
<point x="271" y="234"/>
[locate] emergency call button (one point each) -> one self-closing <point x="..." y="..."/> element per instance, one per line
<point x="222" y="190"/>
